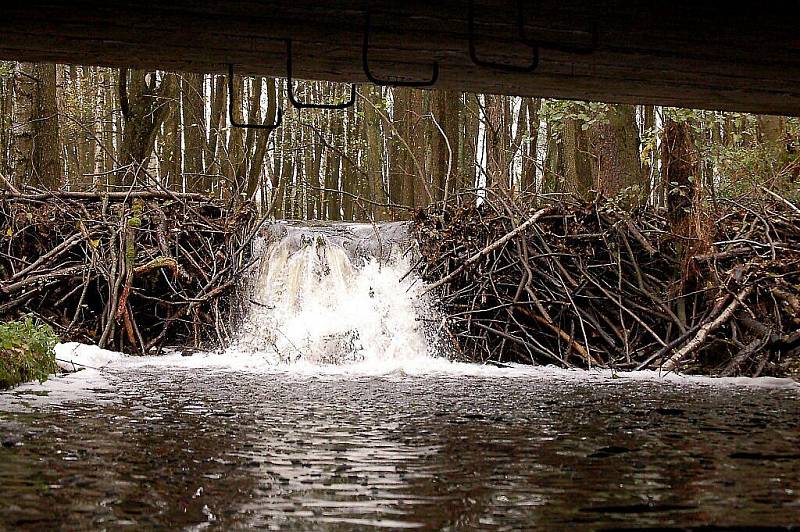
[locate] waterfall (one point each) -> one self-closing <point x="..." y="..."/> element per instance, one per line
<point x="335" y="294"/>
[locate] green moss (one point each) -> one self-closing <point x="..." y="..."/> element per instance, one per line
<point x="130" y="252"/>
<point x="26" y="352"/>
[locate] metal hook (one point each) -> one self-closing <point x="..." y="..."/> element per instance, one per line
<point x="303" y="105"/>
<point x="501" y="66"/>
<point x="232" y="120"/>
<point x="534" y="44"/>
<point x="391" y="83"/>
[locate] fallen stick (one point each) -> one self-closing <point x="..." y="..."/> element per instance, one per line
<point x="780" y="198"/>
<point x="9" y="184"/>
<point x="566" y="337"/>
<point x="488" y="249"/>
<point x="672" y="362"/>
<point x="45" y="278"/>
<point x="44" y="258"/>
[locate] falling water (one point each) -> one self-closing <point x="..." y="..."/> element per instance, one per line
<point x="335" y="295"/>
<point x="329" y="412"/>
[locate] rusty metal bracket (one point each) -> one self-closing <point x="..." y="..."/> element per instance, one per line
<point x="304" y="105"/>
<point x="389" y="82"/>
<point x="232" y="120"/>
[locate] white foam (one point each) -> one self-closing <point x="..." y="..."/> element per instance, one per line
<point x="312" y="303"/>
<point x="72" y="356"/>
<point x="420" y="366"/>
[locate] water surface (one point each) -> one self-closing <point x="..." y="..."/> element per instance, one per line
<point x="146" y="446"/>
<point x="331" y="410"/>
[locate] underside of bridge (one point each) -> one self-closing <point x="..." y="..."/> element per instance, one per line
<point x="700" y="53"/>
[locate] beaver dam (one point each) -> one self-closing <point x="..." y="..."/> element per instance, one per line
<point x="303" y="376"/>
<point x="566" y="282"/>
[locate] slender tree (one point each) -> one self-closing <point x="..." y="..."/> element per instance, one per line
<point x="577" y="160"/>
<point x="145" y="103"/>
<point x="194" y="132"/>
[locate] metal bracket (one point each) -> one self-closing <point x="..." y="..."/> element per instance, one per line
<point x="501" y="66"/>
<point x="534" y="44"/>
<point x="232" y="120"/>
<point x="388" y="82"/>
<point x="303" y="105"/>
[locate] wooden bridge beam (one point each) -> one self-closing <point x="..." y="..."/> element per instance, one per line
<point x="684" y="53"/>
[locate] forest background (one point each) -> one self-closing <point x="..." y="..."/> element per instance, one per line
<point x="78" y="128"/>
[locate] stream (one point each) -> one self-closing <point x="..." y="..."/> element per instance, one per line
<point x="332" y="409"/>
<point x="149" y="446"/>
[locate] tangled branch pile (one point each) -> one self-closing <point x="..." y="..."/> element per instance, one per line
<point x="588" y="284"/>
<point x="132" y="272"/>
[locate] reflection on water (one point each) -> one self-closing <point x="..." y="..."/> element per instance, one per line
<point x="195" y="448"/>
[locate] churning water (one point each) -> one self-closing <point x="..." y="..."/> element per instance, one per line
<point x="335" y="295"/>
<point x="333" y="410"/>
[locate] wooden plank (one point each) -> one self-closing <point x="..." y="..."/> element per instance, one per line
<point x="681" y="53"/>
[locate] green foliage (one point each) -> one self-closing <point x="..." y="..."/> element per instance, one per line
<point x="679" y="114"/>
<point x="588" y="113"/>
<point x="744" y="168"/>
<point x="26" y="352"/>
<point x="735" y="154"/>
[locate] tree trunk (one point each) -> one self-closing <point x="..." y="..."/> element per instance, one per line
<point x="530" y="153"/>
<point x="145" y="103"/>
<point x="218" y="123"/>
<point x="553" y="162"/>
<point x="773" y="134"/>
<point x="414" y="186"/>
<point x="333" y="163"/>
<point x="650" y="162"/>
<point x="679" y="168"/>
<point x="497" y="144"/>
<point x="445" y="109"/>
<point x="25" y="111"/>
<point x="194" y="132"/>
<point x="170" y="158"/>
<point x="6" y="90"/>
<point x="679" y="172"/>
<point x="67" y="93"/>
<point x="278" y="183"/>
<point x="348" y="171"/>
<point x="87" y="147"/>
<point x="576" y="159"/>
<point x="100" y="158"/>
<point x="234" y="154"/>
<point x="35" y="126"/>
<point x="374" y="151"/>
<point x="617" y="150"/>
<point x="262" y="138"/>
<point x="398" y="153"/>
<point x="469" y="160"/>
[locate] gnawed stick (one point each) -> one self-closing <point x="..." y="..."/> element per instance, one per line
<point x="488" y="249"/>
<point x="672" y="362"/>
<point x="566" y="337"/>
<point x="44" y="258"/>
